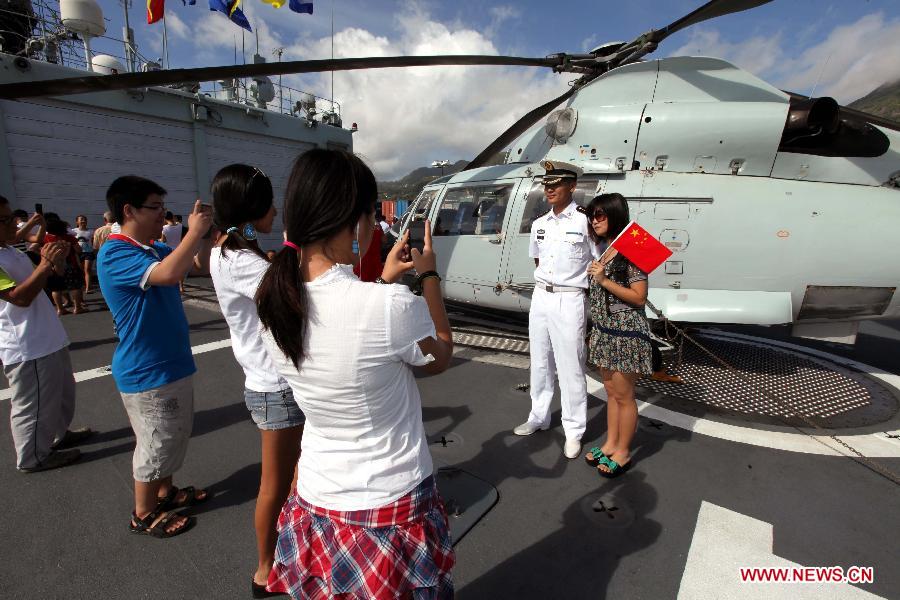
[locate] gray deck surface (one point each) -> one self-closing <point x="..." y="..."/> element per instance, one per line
<point x="64" y="532"/>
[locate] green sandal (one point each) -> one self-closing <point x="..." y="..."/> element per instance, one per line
<point x="596" y="456"/>
<point x="615" y="469"/>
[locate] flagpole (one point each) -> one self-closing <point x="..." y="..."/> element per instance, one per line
<point x="332" y="56"/>
<point x="165" y="41"/>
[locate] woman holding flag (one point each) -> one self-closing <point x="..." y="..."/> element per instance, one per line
<point x="620" y="345"/>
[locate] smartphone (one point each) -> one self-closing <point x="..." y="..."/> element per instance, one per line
<point x="207" y="208"/>
<point x="416" y="235"/>
<point x="39" y="208"/>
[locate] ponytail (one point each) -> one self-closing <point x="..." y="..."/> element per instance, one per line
<point x="281" y="302"/>
<point x="235" y="241"/>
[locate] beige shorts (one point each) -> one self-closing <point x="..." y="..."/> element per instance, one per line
<point x="162" y="419"/>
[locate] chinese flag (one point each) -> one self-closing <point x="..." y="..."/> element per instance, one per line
<point x="156" y="9"/>
<point x="637" y="245"/>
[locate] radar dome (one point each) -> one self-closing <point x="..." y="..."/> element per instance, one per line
<point x="107" y="65"/>
<point x="82" y="16"/>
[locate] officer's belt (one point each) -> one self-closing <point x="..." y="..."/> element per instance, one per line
<point x="556" y="289"/>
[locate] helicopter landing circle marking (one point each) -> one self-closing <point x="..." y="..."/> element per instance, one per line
<point x="872" y="445"/>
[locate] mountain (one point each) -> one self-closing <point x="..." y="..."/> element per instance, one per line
<point x="883" y="102"/>
<point x="409" y="186"/>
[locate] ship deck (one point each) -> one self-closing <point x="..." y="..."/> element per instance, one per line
<point x="714" y="487"/>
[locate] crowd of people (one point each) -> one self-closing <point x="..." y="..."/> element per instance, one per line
<point x="347" y="500"/>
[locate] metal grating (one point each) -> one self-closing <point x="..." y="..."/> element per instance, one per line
<point x="803" y="385"/>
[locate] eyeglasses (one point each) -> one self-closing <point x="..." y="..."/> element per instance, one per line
<point x="598" y="216"/>
<point x="156" y="207"/>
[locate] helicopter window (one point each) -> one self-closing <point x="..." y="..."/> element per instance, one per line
<point x="536" y="202"/>
<point x="476" y="210"/>
<point x="419" y="211"/>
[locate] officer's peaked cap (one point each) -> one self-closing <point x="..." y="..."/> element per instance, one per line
<point x="558" y="171"/>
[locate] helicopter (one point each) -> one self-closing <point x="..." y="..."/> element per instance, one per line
<point x="778" y="208"/>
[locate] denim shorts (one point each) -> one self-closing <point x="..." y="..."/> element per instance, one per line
<point x="274" y="410"/>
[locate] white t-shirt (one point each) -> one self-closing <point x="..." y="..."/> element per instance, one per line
<point x="363" y="443"/>
<point x="236" y="278"/>
<point x="85" y="238"/>
<point x="172" y="234"/>
<point x="26" y="333"/>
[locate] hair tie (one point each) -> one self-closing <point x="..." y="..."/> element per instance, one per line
<point x="291" y="245"/>
<point x="231" y="230"/>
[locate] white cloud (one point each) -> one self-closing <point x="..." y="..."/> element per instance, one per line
<point x="409" y="117"/>
<point x="852" y="61"/>
<point x="757" y="54"/>
<point x="860" y="57"/>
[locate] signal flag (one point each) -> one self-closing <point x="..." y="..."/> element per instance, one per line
<point x="637" y="245"/>
<point x="156" y="10"/>
<point x="301" y="7"/>
<point x="231" y="8"/>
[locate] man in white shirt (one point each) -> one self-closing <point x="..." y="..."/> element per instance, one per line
<point x="562" y="249"/>
<point x="382" y="222"/>
<point x="35" y="355"/>
<point x="171" y="232"/>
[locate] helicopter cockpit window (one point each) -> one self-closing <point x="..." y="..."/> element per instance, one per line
<point x="418" y="211"/>
<point x="473" y="210"/>
<point x="536" y="202"/>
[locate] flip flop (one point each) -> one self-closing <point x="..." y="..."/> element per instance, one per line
<point x="596" y="456"/>
<point x="615" y="469"/>
<point x="168" y="502"/>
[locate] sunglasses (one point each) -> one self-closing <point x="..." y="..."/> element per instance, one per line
<point x="598" y="215"/>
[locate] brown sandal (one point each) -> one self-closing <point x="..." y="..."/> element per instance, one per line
<point x="156" y="522"/>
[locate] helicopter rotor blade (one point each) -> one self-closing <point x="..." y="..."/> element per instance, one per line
<point x="648" y="42"/>
<point x="710" y="10"/>
<point x="517" y="129"/>
<point x="104" y="83"/>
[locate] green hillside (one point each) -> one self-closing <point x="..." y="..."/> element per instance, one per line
<point x="883" y="102"/>
<point x="409" y="186"/>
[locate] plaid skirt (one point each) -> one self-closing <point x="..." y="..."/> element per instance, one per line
<point x="402" y="550"/>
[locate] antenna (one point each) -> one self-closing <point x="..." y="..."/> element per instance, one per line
<point x="821" y="72"/>
<point x="278" y="52"/>
<point x="332" y="55"/>
<point x="129" y="37"/>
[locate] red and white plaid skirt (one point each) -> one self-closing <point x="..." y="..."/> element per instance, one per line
<point x="402" y="550"/>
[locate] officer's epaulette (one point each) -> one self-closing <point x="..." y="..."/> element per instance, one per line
<point x="582" y="210"/>
<point x="546" y="212"/>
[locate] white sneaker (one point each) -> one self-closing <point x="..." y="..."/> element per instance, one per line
<point x="572" y="448"/>
<point x="527" y="428"/>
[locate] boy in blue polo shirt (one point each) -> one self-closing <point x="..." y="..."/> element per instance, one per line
<point x="152" y="364"/>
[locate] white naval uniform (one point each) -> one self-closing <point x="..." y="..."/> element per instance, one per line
<point x="557" y="319"/>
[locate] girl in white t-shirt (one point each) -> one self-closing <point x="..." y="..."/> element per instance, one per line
<point x="85" y="239"/>
<point x="243" y="205"/>
<point x="365" y="519"/>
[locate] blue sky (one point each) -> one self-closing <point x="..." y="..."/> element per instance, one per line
<point x="843" y="48"/>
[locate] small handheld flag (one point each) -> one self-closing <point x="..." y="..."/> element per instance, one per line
<point x="230" y="8"/>
<point x="301" y="7"/>
<point x="156" y="10"/>
<point x="637" y="245"/>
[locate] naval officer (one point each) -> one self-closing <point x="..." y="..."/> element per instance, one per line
<point x="562" y="250"/>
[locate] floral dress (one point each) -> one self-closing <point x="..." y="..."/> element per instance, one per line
<point x="620" y="335"/>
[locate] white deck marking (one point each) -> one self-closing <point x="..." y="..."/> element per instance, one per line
<point x="874" y="445"/>
<point x="107" y="370"/>
<point x="724" y="541"/>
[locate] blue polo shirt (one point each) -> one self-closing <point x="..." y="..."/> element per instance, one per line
<point x="154" y="344"/>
